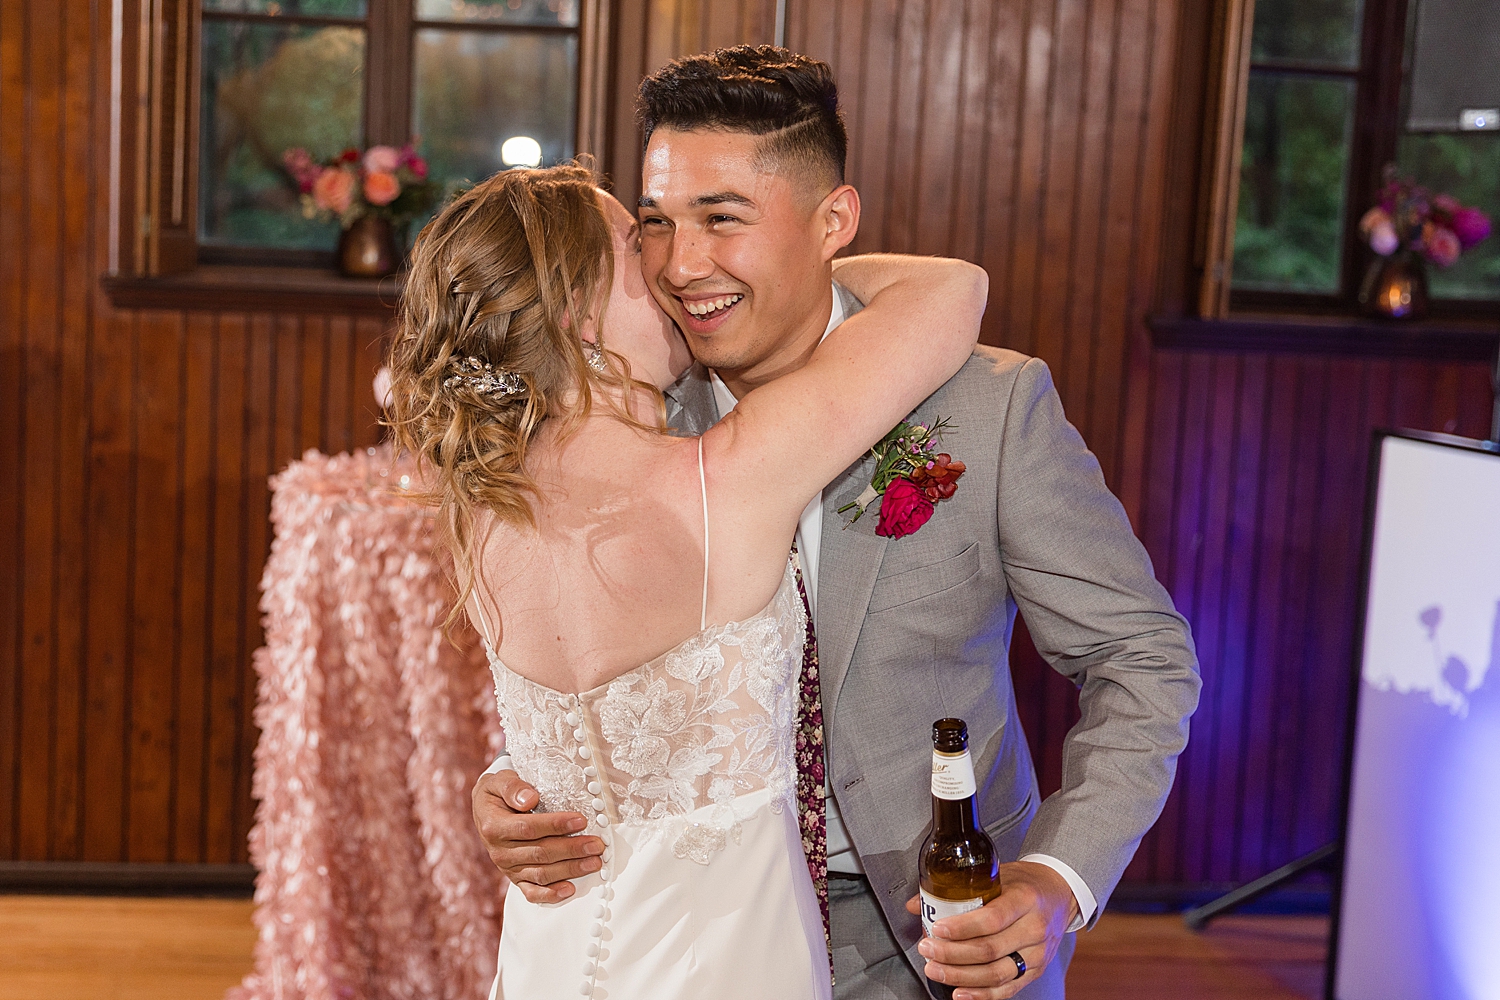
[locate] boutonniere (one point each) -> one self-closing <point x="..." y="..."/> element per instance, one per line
<point x="910" y="477"/>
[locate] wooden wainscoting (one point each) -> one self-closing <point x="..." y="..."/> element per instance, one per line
<point x="1053" y="141"/>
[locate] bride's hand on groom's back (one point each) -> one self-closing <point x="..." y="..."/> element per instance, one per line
<point x="536" y="851"/>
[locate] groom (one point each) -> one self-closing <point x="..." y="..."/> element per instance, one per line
<point x="742" y="208"/>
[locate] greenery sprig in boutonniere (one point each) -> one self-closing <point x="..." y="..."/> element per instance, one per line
<point x="910" y="477"/>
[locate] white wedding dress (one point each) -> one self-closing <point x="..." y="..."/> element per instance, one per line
<point x="685" y="768"/>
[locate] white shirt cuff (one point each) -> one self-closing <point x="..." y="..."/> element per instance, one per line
<point x="501" y="763"/>
<point x="1087" y="904"/>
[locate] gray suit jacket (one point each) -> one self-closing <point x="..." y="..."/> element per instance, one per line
<point x="917" y="629"/>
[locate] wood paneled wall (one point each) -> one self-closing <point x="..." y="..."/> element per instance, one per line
<point x="648" y="34"/>
<point x="1252" y="506"/>
<point x="137" y="443"/>
<point x="134" y="505"/>
<point x="1027" y="136"/>
<point x="1037" y="137"/>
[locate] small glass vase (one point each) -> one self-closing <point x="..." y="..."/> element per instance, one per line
<point x="1395" y="287"/>
<point x="367" y="249"/>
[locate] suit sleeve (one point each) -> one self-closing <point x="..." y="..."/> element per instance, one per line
<point x="1085" y="586"/>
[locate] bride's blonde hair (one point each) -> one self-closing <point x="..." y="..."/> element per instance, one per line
<point x="503" y="275"/>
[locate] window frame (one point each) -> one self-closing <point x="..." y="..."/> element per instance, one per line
<point x="1376" y="134"/>
<point x="155" y="93"/>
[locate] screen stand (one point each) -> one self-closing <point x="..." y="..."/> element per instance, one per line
<point x="1198" y="917"/>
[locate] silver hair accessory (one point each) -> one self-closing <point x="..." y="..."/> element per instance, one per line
<point x="594" y="355"/>
<point x="483" y="378"/>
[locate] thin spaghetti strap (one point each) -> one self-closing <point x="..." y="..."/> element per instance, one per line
<point x="703" y="486"/>
<point x="484" y="624"/>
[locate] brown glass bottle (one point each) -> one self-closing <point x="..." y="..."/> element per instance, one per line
<point x="958" y="867"/>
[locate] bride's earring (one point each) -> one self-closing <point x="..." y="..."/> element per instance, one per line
<point x="594" y="355"/>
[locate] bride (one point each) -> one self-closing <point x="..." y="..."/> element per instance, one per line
<point x="633" y="588"/>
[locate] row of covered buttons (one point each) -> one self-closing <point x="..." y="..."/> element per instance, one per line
<point x="595" y="950"/>
<point x="591" y="772"/>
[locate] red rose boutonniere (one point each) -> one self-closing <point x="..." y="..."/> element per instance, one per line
<point x="910" y="477"/>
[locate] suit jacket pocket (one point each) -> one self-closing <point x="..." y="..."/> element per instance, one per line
<point x="925" y="581"/>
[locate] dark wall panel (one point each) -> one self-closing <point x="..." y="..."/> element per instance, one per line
<point x="1253" y="513"/>
<point x="133" y="512"/>
<point x="1032" y="136"/>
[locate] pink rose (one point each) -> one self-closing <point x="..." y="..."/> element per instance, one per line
<point x="1445" y="203"/>
<point x="299" y="163"/>
<point x="411" y="161"/>
<point x="1441" y="246"/>
<point x="1470" y="225"/>
<point x="381" y="189"/>
<point x="382" y="159"/>
<point x="903" y="509"/>
<point x="1383" y="239"/>
<point x="1374" y="217"/>
<point x="333" y="190"/>
<point x="1377" y="228"/>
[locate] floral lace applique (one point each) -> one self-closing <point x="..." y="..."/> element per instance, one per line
<point x="541" y="743"/>
<point x="687" y="733"/>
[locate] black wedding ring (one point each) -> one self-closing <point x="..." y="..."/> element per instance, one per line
<point x="1015" y="956"/>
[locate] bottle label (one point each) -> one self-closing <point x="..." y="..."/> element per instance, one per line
<point x="952" y="775"/>
<point x="935" y="909"/>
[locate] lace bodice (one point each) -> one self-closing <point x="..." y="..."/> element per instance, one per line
<point x="672" y="743"/>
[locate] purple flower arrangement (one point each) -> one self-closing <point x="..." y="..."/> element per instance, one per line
<point x="1409" y="217"/>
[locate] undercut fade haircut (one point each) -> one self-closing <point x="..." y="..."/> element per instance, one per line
<point x="790" y="99"/>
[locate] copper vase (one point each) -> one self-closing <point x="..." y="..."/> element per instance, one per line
<point x="367" y="249"/>
<point x="1395" y="287"/>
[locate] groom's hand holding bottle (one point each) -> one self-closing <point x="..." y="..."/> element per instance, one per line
<point x="538" y="852"/>
<point x="970" y="952"/>
<point x="989" y="929"/>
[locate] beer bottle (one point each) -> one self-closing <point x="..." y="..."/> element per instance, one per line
<point x="958" y="868"/>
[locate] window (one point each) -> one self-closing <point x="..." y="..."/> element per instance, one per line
<point x="1326" y="106"/>
<point x="1299" y="125"/>
<point x="461" y="75"/>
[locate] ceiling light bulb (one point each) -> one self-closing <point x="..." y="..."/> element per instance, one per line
<point x="521" y="151"/>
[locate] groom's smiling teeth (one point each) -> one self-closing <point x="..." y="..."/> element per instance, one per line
<point x="707" y="307"/>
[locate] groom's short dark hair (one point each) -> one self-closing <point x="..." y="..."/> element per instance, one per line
<point x="764" y="90"/>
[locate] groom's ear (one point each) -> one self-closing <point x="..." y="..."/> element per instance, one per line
<point x="839" y="213"/>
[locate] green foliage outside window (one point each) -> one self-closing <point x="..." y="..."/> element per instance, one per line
<point x="1314" y="31"/>
<point x="266" y="90"/>
<point x="1289" y="228"/>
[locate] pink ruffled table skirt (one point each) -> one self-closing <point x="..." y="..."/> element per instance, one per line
<point x="372" y="881"/>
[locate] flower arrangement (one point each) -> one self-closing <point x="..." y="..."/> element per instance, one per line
<point x="1409" y="218"/>
<point x="384" y="181"/>
<point x="910" y="477"/>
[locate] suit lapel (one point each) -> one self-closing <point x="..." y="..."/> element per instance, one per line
<point x="691" y="409"/>
<point x="848" y="563"/>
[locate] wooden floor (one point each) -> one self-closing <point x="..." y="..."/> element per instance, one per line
<point x="80" y="948"/>
<point x="86" y="948"/>
<point x="1127" y="957"/>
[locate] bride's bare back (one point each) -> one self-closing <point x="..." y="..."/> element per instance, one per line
<point x="611" y="577"/>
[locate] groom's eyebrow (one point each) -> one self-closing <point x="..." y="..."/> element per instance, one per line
<point x="721" y="198"/>
<point x="717" y="198"/>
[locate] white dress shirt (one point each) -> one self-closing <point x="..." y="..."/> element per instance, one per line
<point x="841" y="854"/>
